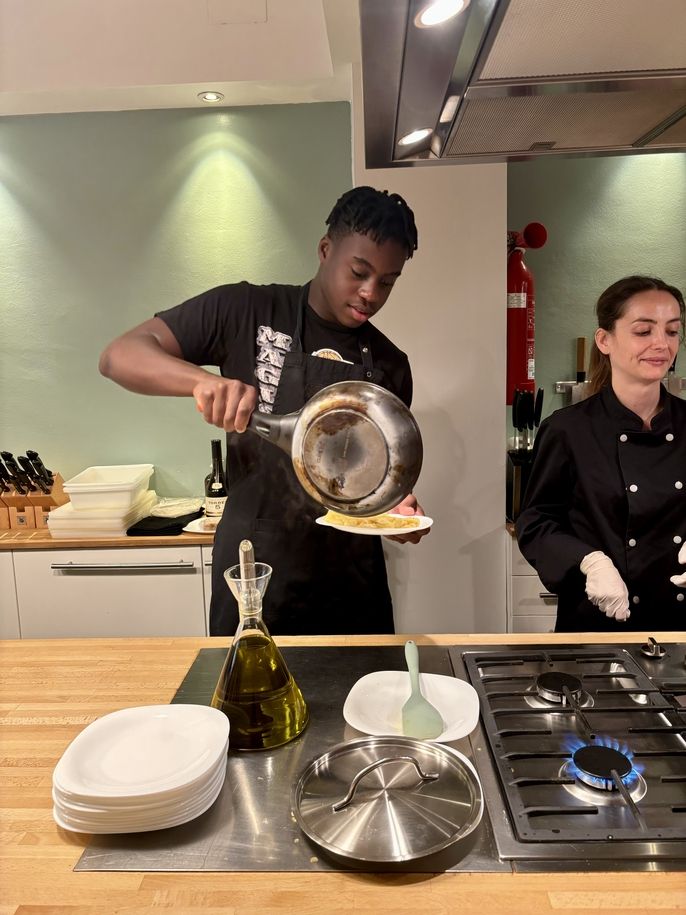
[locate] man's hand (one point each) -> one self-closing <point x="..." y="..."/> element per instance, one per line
<point x="680" y="580"/>
<point x="604" y="586"/>
<point x="225" y="402"/>
<point x="409" y="506"/>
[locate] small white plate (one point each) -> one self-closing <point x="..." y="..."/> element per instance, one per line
<point x="198" y="526"/>
<point x="374" y="704"/>
<point x="424" y="522"/>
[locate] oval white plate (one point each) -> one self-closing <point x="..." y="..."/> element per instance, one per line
<point x="143" y="750"/>
<point x="74" y="825"/>
<point x="197" y="526"/>
<point x="424" y="522"/>
<point x="374" y="704"/>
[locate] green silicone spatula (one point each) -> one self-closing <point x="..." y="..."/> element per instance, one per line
<point x="419" y="717"/>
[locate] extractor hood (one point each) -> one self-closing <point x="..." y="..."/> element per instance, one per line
<point x="510" y="80"/>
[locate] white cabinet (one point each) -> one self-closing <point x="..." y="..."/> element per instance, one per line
<point x="135" y="591"/>
<point x="530" y="606"/>
<point x="9" y="610"/>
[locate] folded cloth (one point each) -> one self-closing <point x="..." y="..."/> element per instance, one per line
<point x="161" y="527"/>
<point x="175" y="508"/>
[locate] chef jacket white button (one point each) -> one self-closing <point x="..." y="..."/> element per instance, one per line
<point x="680" y="597"/>
<point x="365" y="349"/>
<point x="636" y="599"/>
<point x="632" y="542"/>
<point x="678" y="485"/>
<point x="677" y="539"/>
<point x="623" y="437"/>
<point x="633" y="487"/>
<point x="669" y="437"/>
<point x="369" y="374"/>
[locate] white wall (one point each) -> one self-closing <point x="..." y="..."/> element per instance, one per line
<point x="448" y="313"/>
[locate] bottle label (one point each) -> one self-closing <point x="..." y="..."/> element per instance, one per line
<point x="214" y="507"/>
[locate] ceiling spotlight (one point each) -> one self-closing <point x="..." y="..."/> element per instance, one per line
<point x="439" y="11"/>
<point x="415" y="136"/>
<point x="210" y="96"/>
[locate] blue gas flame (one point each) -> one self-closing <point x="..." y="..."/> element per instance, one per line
<point x="574" y="743"/>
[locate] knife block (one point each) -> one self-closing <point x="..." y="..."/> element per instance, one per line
<point x="518" y="469"/>
<point x="30" y="511"/>
<point x="20" y="511"/>
<point x="43" y="502"/>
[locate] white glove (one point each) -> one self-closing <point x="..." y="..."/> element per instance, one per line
<point x="604" y="585"/>
<point x="680" y="580"/>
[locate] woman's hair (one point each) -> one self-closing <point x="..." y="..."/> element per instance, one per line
<point x="378" y="214"/>
<point x="610" y="307"/>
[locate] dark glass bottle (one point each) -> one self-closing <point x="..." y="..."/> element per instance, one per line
<point x="216" y="490"/>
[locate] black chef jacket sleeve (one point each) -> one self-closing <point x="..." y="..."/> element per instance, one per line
<point x="544" y="534"/>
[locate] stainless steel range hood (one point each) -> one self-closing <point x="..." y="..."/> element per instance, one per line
<point x="510" y="80"/>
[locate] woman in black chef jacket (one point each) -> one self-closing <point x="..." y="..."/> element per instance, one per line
<point x="604" y="513"/>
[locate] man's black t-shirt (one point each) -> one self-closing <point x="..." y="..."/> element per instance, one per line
<point x="246" y="330"/>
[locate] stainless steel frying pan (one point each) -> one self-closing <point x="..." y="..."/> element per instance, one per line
<point x="355" y="447"/>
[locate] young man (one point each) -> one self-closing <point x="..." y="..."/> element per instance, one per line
<point x="276" y="346"/>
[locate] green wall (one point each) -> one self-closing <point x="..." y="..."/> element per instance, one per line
<point x="606" y="218"/>
<point x="106" y="218"/>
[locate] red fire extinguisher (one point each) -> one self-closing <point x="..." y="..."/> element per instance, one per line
<point x="521" y="356"/>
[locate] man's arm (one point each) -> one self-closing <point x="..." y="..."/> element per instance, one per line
<point x="149" y="360"/>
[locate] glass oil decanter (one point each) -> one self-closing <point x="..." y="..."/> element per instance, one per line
<point x="255" y="688"/>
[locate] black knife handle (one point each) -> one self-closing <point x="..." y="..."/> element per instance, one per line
<point x="47" y="475"/>
<point x="19" y="477"/>
<point x="515" y="410"/>
<point x="33" y="474"/>
<point x="538" y="408"/>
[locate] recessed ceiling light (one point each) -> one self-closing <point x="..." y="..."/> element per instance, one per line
<point x="439" y="11"/>
<point x="210" y="96"/>
<point x="415" y="136"/>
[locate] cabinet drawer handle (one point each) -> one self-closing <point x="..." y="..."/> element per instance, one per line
<point x="121" y="567"/>
<point x="547" y="596"/>
<point x="208" y="562"/>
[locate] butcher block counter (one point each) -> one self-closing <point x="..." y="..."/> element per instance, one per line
<point x="51" y="689"/>
<point x="40" y="539"/>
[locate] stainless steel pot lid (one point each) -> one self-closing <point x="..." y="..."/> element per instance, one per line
<point x="388" y="799"/>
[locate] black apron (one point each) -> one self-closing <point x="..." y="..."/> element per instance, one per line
<point x="324" y="581"/>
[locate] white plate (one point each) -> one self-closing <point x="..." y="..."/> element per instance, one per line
<point x="424" y="522"/>
<point x="143" y="751"/>
<point x="75" y="825"/>
<point x="197" y="526"/>
<point x="142" y="817"/>
<point x="374" y="704"/>
<point x="148" y="804"/>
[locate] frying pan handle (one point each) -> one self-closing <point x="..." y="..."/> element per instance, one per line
<point x="275" y="429"/>
<point x="425" y="777"/>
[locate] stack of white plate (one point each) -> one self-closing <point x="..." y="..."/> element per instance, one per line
<point x="141" y="769"/>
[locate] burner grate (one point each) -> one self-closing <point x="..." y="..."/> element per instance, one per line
<point x="585" y="745"/>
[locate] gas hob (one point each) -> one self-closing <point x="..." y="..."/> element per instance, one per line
<point x="582" y="753"/>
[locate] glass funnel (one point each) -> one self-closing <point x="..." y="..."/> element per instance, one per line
<point x="255" y="688"/>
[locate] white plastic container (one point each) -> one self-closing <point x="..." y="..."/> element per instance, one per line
<point x="66" y="522"/>
<point x="112" y="486"/>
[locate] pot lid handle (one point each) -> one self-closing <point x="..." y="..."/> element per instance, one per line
<point x="425" y="777"/>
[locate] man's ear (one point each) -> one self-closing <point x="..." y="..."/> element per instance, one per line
<point x="601" y="340"/>
<point x="323" y="248"/>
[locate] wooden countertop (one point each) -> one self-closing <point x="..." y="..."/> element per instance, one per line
<point x="51" y="689"/>
<point x="15" y="539"/>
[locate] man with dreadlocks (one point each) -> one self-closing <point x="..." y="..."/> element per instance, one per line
<point x="276" y="346"/>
